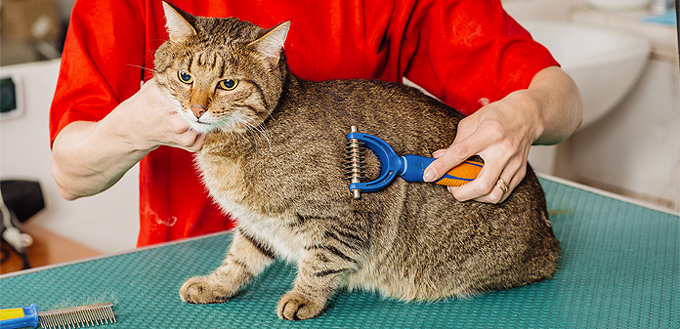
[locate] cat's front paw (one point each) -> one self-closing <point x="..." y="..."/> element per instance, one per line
<point x="294" y="306"/>
<point x="203" y="290"/>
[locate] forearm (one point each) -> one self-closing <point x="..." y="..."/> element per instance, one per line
<point x="87" y="159"/>
<point x="557" y="105"/>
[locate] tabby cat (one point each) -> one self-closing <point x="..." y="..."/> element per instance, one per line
<point x="273" y="158"/>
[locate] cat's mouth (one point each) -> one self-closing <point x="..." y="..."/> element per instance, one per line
<point x="201" y="126"/>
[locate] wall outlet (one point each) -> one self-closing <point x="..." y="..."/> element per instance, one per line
<point x="11" y="97"/>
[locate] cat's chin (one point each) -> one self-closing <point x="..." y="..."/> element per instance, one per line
<point x="202" y="127"/>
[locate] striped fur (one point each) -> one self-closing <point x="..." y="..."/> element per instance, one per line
<point x="273" y="159"/>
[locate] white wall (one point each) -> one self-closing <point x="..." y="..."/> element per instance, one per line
<point x="635" y="150"/>
<point x="107" y="222"/>
<point x="550" y="10"/>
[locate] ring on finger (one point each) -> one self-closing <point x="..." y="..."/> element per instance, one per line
<point x="502" y="185"/>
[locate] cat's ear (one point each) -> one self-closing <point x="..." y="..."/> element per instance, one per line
<point x="179" y="23"/>
<point x="270" y="44"/>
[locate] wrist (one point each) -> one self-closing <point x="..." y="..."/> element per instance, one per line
<point x="119" y="130"/>
<point x="559" y="105"/>
<point x="525" y="107"/>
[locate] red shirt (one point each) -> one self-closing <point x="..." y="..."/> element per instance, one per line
<point x="465" y="52"/>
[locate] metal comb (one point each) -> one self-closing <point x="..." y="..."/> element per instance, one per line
<point x="355" y="162"/>
<point x="74" y="317"/>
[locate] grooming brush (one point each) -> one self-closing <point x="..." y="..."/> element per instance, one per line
<point x="410" y="166"/>
<point x="81" y="316"/>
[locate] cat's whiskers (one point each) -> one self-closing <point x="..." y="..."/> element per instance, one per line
<point x="261" y="129"/>
<point x="250" y="129"/>
<point x="231" y="126"/>
<point x="154" y="71"/>
<point x="242" y="125"/>
<point x="258" y="128"/>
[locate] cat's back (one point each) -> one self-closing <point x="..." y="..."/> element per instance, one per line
<point x="410" y="121"/>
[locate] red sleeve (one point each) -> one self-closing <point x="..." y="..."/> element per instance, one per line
<point x="101" y="63"/>
<point x="470" y="52"/>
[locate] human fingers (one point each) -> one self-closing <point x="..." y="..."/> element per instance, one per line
<point x="503" y="148"/>
<point x="438" y="153"/>
<point x="180" y="134"/>
<point x="505" y="165"/>
<point x="498" y="167"/>
<point x="194" y="142"/>
<point x="140" y="120"/>
<point x="174" y="130"/>
<point x="494" y="188"/>
<point x="481" y="188"/>
<point x="510" y="186"/>
<point x="459" y="151"/>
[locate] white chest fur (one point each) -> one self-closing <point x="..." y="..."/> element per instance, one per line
<point x="222" y="177"/>
<point x="273" y="232"/>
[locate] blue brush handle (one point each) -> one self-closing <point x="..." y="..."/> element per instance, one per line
<point x="413" y="167"/>
<point x="19" y="317"/>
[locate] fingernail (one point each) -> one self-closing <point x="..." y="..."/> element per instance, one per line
<point x="429" y="175"/>
<point x="438" y="153"/>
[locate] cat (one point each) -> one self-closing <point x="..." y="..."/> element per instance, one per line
<point x="273" y="158"/>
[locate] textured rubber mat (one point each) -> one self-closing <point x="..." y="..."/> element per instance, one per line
<point x="619" y="269"/>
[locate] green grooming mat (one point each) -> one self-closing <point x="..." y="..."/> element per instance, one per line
<point x="619" y="268"/>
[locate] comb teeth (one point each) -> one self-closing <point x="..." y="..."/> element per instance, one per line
<point x="78" y="317"/>
<point x="355" y="165"/>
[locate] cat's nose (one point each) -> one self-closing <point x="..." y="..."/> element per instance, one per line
<point x="198" y="110"/>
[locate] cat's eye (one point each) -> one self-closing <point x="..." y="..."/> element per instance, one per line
<point x="185" y="77"/>
<point x="228" y="84"/>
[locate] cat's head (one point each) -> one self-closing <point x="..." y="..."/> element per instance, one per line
<point x="221" y="73"/>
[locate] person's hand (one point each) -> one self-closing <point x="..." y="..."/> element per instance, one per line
<point x="501" y="133"/>
<point x="89" y="157"/>
<point x="148" y="120"/>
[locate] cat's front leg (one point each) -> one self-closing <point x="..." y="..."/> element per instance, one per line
<point x="320" y="271"/>
<point x="246" y="259"/>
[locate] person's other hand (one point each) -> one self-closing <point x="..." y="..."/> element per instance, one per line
<point x="501" y="133"/>
<point x="148" y="120"/>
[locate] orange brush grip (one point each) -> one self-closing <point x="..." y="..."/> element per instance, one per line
<point x="461" y="174"/>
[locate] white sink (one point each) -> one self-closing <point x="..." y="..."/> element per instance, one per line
<point x="604" y="63"/>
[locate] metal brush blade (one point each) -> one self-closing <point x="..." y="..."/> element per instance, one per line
<point x="355" y="165"/>
<point x="81" y="316"/>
